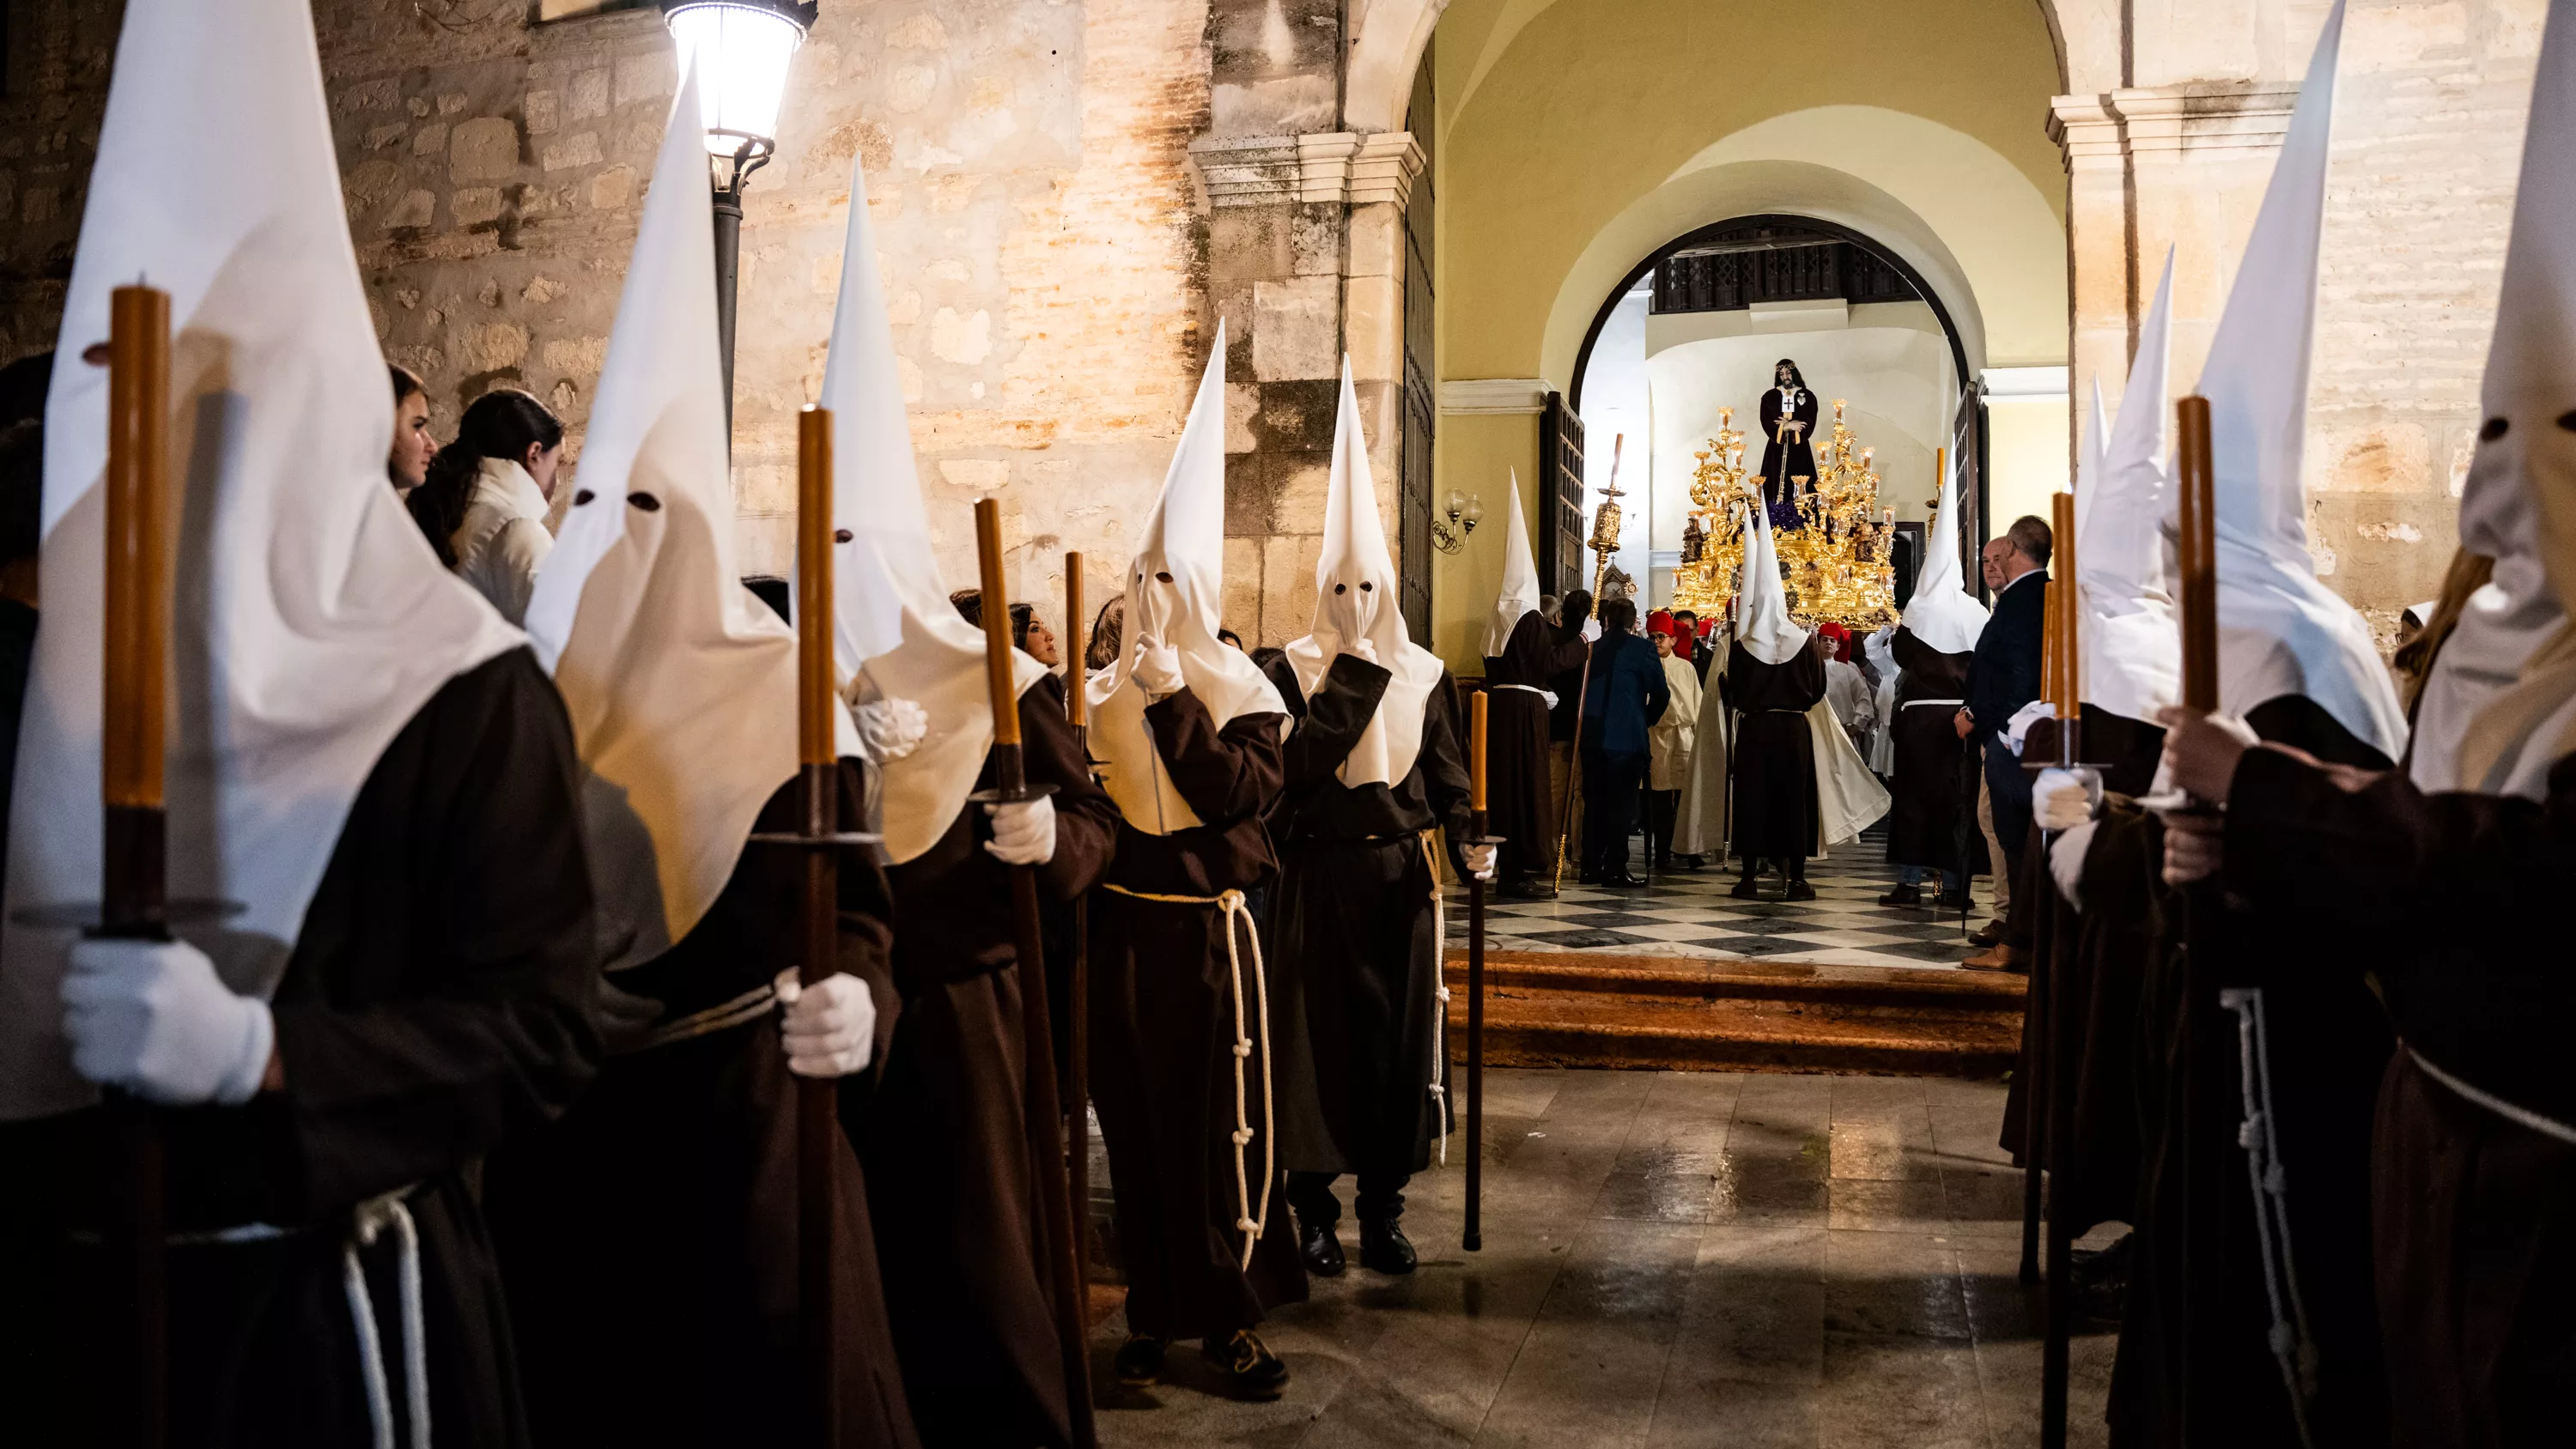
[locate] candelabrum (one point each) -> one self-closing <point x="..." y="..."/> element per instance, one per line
<point x="1465" y="511"/>
<point x="1833" y="558"/>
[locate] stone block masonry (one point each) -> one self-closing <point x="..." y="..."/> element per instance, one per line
<point x="1027" y="159"/>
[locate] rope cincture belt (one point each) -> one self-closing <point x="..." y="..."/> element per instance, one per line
<point x="2293" y="1343"/>
<point x="2515" y="1113"/>
<point x="1439" y="997"/>
<point x="367" y="1221"/>
<point x="1230" y="905"/>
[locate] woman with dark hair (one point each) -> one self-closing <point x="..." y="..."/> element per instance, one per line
<point x="483" y="504"/>
<point x="407" y="462"/>
<point x="1788" y="453"/>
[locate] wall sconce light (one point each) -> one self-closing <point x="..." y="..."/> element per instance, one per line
<point x="1465" y="511"/>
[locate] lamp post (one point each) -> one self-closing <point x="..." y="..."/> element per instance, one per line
<point x="740" y="50"/>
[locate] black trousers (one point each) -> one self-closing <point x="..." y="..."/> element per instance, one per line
<point x="1611" y="783"/>
<point x="1662" y="807"/>
<point x="1311" y="1194"/>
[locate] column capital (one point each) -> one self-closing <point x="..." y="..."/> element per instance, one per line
<point x="1319" y="168"/>
<point x="2099" y="130"/>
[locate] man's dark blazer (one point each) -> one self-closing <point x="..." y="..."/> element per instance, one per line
<point x="2004" y="675"/>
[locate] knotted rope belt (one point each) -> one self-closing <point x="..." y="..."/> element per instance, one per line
<point x="1230" y="905"/>
<point x="1439" y="996"/>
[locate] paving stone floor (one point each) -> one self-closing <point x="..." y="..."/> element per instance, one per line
<point x="1689" y="913"/>
<point x="1674" y="1259"/>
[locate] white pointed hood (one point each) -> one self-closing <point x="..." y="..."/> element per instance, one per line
<point x="2281" y="631"/>
<point x="1940" y="611"/>
<point x="1175" y="591"/>
<point x="1356" y="603"/>
<point x="1762" y="622"/>
<point x="681" y="684"/>
<point x="2131" y="644"/>
<point x="1520" y="578"/>
<point x="895" y="631"/>
<point x="312" y="621"/>
<point x="2500" y="707"/>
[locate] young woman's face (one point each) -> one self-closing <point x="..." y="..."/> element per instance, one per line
<point x="1041" y="645"/>
<point x="541" y="462"/>
<point x="408" y="462"/>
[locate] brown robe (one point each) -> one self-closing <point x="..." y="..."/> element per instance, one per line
<point x="650" y="1237"/>
<point x="2194" y="1365"/>
<point x="1775" y="753"/>
<point x="438" y="1002"/>
<point x="2474" y="1215"/>
<point x="961" y="1225"/>
<point x="1163" y="994"/>
<point x="1519" y="806"/>
<point x="1923" y="815"/>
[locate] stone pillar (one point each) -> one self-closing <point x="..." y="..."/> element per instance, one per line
<point x="1305" y="263"/>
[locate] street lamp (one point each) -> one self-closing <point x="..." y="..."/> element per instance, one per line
<point x="740" y="50"/>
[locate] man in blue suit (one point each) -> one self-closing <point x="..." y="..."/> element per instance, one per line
<point x="2002" y="677"/>
<point x="1627" y="694"/>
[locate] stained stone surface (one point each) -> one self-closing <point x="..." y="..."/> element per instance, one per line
<point x="1674" y="1259"/>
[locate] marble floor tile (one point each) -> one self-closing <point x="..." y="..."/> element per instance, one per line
<point x="1671" y="1261"/>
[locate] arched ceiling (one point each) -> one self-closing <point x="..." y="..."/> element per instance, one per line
<point x="1580" y="135"/>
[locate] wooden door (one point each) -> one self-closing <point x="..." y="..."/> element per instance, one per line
<point x="1419" y="403"/>
<point x="1560" y="533"/>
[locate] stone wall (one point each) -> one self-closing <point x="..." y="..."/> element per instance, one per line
<point x="1027" y="161"/>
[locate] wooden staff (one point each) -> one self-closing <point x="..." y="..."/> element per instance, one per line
<point x="1043" y="1114"/>
<point x="134" y="719"/>
<point x="1077" y="1116"/>
<point x="818" y="1118"/>
<point x="2048" y="1085"/>
<point x="2196" y="556"/>
<point x="1474" y="1237"/>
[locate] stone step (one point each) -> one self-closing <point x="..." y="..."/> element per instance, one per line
<point x="1682" y="1014"/>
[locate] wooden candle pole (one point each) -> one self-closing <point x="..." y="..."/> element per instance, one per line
<point x="2070" y="627"/>
<point x="1041" y="1106"/>
<point x="134" y="720"/>
<point x="2196" y="554"/>
<point x="818" y="1115"/>
<point x="1473" y="1239"/>
<point x="1077" y="1035"/>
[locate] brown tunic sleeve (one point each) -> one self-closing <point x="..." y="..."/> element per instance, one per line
<point x="1225" y="773"/>
<point x="1086" y="819"/>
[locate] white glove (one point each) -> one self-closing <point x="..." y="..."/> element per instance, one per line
<point x="1480" y="861"/>
<point x="1158" y="669"/>
<point x="830" y="1027"/>
<point x="2064" y="799"/>
<point x="1023" y="831"/>
<point x="153" y="1018"/>
<point x="890" y="728"/>
<point x="2066" y="862"/>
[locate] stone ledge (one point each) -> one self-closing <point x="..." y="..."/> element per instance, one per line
<point x="1322" y="168"/>
<point x="2099" y="130"/>
<point x="1468" y="395"/>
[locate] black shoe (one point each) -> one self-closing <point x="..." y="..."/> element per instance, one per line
<point x="1664" y="862"/>
<point x="1747" y="889"/>
<point x="1321" y="1248"/>
<point x="1989" y="934"/>
<point x="1800" y="891"/>
<point x="1530" y="888"/>
<point x="1624" y="882"/>
<point x="1694" y="862"/>
<point x="1140" y="1360"/>
<point x="1586" y="877"/>
<point x="1384" y="1248"/>
<point x="1953" y="901"/>
<point x="1251" y="1370"/>
<point x="1904" y="895"/>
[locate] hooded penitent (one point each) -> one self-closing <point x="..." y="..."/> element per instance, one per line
<point x="2130" y="646"/>
<point x="680" y="683"/>
<point x="1355" y="604"/>
<point x="1520" y="578"/>
<point x="1762" y="622"/>
<point x="896" y="634"/>
<point x="2281" y="632"/>
<point x="1174" y="589"/>
<point x="312" y="620"/>
<point x="2472" y="731"/>
<point x="1940" y="612"/>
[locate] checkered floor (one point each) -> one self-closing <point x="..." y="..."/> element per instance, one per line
<point x="1689" y="913"/>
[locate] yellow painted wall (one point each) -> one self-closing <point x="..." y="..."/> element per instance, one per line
<point x="2027" y="451"/>
<point x="1476" y="453"/>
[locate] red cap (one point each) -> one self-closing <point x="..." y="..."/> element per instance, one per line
<point x="1659" y="622"/>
